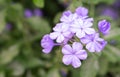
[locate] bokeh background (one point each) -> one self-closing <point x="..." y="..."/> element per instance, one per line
<point x="24" y="22"/>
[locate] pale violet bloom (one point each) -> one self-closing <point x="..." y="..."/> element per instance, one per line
<point x="61" y="31"/>
<point x="81" y="27"/>
<point x="93" y="42"/>
<point x="82" y="11"/>
<point x="104" y="26"/>
<point x="68" y="17"/>
<point x="73" y="55"/>
<point x="47" y="44"/>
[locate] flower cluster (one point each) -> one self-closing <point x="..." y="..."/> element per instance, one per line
<point x="73" y="33"/>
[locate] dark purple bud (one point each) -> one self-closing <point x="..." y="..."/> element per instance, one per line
<point x="104" y="27"/>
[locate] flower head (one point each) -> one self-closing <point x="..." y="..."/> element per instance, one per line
<point x="94" y="42"/>
<point x="104" y="27"/>
<point x="47" y="43"/>
<point x="61" y="31"/>
<point x="73" y="55"/>
<point x="82" y="27"/>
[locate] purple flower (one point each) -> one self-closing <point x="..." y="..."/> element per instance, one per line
<point x="68" y="17"/>
<point x="28" y="13"/>
<point x="73" y="55"/>
<point x="38" y="12"/>
<point x="47" y="43"/>
<point x="82" y="11"/>
<point x="61" y="31"/>
<point x="82" y="27"/>
<point x="94" y="42"/>
<point x="104" y="27"/>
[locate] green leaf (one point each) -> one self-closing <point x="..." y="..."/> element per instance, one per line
<point x="2" y="20"/>
<point x="108" y="53"/>
<point x="115" y="51"/>
<point x="113" y="33"/>
<point x="14" y="12"/>
<point x="31" y="62"/>
<point x="16" y="68"/>
<point x="9" y="54"/>
<point x="97" y="1"/>
<point x="39" y="24"/>
<point x="53" y="73"/>
<point x="89" y="67"/>
<point x="75" y="4"/>
<point x="39" y="3"/>
<point x="57" y="17"/>
<point x="103" y="64"/>
<point x="2" y="73"/>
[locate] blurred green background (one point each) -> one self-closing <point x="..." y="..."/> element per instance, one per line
<point x="24" y="22"/>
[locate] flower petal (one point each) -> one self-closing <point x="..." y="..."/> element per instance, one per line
<point x="80" y="34"/>
<point x="87" y="24"/>
<point x="76" y="62"/>
<point x="66" y="50"/>
<point x="98" y="47"/>
<point x="85" y="40"/>
<point x="60" y="39"/>
<point x="77" y="46"/>
<point x="67" y="59"/>
<point x="89" y="30"/>
<point x="47" y="50"/>
<point x="54" y="35"/>
<point x="91" y="47"/>
<point x="81" y="54"/>
<point x="67" y="33"/>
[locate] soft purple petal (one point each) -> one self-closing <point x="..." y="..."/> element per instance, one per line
<point x="67" y="33"/>
<point x="81" y="54"/>
<point x="82" y="11"/>
<point x="87" y="24"/>
<point x="76" y="62"/>
<point x="91" y="47"/>
<point x="67" y="13"/>
<point x="80" y="34"/>
<point x="74" y="30"/>
<point x="85" y="40"/>
<point x="77" y="46"/>
<point x="64" y="27"/>
<point x="60" y="39"/>
<point x="89" y="30"/>
<point x="58" y="27"/>
<point x="98" y="47"/>
<point x="48" y="50"/>
<point x="54" y="35"/>
<point x="67" y="50"/>
<point x="67" y="59"/>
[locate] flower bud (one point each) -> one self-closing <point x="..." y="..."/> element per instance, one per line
<point x="104" y="27"/>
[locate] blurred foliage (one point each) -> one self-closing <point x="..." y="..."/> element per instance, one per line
<point x="20" y="51"/>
